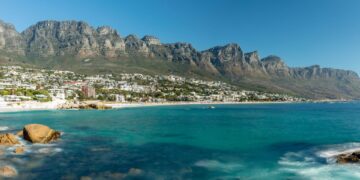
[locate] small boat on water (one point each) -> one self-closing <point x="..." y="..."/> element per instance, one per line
<point x="211" y="107"/>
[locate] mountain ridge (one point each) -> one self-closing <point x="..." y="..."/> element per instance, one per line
<point x="57" y="41"/>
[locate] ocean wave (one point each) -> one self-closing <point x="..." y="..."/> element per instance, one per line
<point x="333" y="150"/>
<point x="49" y="150"/>
<point x="219" y="166"/>
<point x="4" y="128"/>
<point x="320" y="162"/>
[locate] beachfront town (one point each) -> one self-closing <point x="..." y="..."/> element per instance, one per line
<point x="27" y="84"/>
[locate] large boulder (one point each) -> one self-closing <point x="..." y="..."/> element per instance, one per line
<point x="38" y="133"/>
<point x="8" y="139"/>
<point x="7" y="171"/>
<point x="353" y="157"/>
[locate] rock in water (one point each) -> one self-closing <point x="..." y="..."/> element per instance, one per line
<point x="19" y="150"/>
<point x="353" y="157"/>
<point x="38" y="133"/>
<point x="8" y="139"/>
<point x="99" y="106"/>
<point x="7" y="171"/>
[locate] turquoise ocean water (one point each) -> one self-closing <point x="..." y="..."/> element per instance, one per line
<point x="255" y="141"/>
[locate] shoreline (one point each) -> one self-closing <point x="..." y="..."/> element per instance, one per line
<point x="129" y="105"/>
<point x="54" y="105"/>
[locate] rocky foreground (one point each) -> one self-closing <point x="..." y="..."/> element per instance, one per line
<point x="33" y="133"/>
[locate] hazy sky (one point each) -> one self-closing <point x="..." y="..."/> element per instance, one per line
<point x="302" y="32"/>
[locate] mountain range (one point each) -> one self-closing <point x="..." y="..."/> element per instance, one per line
<point x="77" y="46"/>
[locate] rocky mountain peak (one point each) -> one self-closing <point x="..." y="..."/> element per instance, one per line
<point x="228" y="53"/>
<point x="131" y="37"/>
<point x="106" y="30"/>
<point x="6" y="25"/>
<point x="136" y="46"/>
<point x="151" y="40"/>
<point x="10" y="39"/>
<point x="274" y="65"/>
<point x="232" y="49"/>
<point x="252" y="57"/>
<point x="274" y="61"/>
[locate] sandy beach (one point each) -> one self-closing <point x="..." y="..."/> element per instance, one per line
<point x="29" y="106"/>
<point x="54" y="105"/>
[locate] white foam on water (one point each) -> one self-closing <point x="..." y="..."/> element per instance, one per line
<point x="305" y="164"/>
<point x="4" y="128"/>
<point x="43" y="145"/>
<point x="329" y="171"/>
<point x="48" y="150"/>
<point x="219" y="166"/>
<point x="296" y="159"/>
<point x="333" y="150"/>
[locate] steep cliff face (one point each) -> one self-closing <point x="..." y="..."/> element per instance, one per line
<point x="49" y="38"/>
<point x="135" y="46"/>
<point x="109" y="41"/>
<point x="53" y="40"/>
<point x="275" y="66"/>
<point x="10" y="39"/>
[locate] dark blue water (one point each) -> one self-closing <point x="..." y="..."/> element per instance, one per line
<point x="260" y="141"/>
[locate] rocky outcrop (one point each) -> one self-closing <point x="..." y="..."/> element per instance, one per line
<point x="110" y="43"/>
<point x="10" y="39"/>
<point x="8" y="139"/>
<point x="135" y="46"/>
<point x="275" y="66"/>
<point x="151" y="40"/>
<point x="37" y="133"/>
<point x="99" y="106"/>
<point x="49" y="38"/>
<point x="85" y="105"/>
<point x="353" y="157"/>
<point x="19" y="150"/>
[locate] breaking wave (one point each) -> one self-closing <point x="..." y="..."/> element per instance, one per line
<point x="4" y="128"/>
<point x="320" y="162"/>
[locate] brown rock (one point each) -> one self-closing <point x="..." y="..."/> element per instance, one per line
<point x="99" y="106"/>
<point x="353" y="157"/>
<point x="8" y="139"/>
<point x="8" y="171"/>
<point x="1" y="152"/>
<point x="19" y="150"/>
<point x="37" y="133"/>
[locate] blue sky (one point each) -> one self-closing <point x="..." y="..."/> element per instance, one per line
<point x="302" y="32"/>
